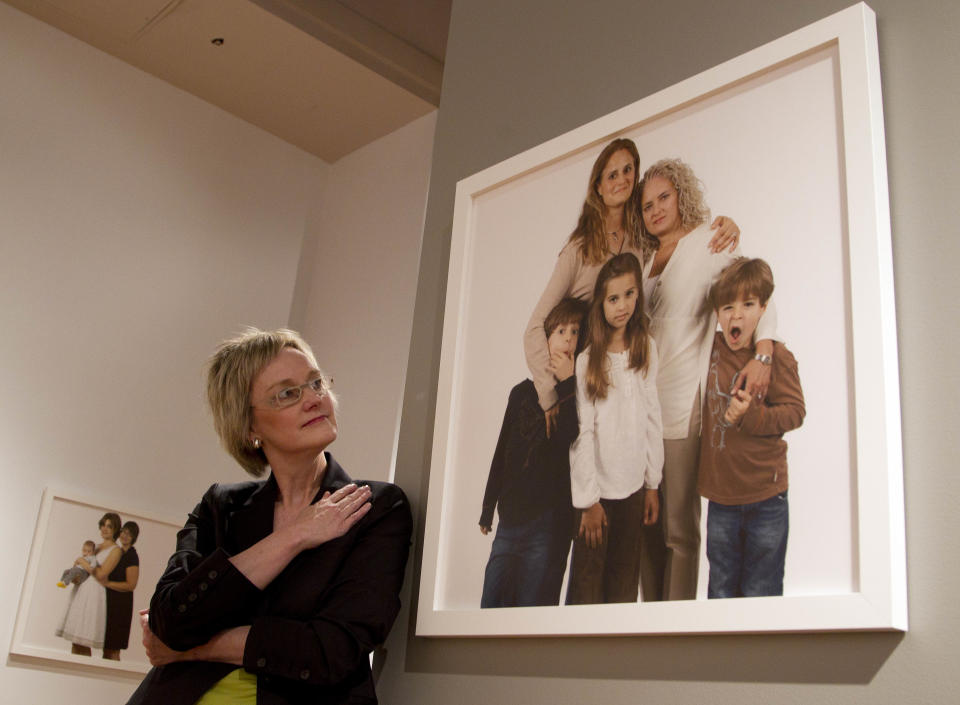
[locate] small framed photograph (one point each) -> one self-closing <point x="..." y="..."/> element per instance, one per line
<point x="66" y="613"/>
<point x="788" y="140"/>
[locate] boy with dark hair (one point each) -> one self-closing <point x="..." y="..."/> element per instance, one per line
<point x="743" y="457"/>
<point x="529" y="480"/>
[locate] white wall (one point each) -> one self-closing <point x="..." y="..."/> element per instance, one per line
<point x="357" y="284"/>
<point x="138" y="226"/>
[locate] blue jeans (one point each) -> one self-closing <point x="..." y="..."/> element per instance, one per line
<point x="746" y="547"/>
<point x="527" y="562"/>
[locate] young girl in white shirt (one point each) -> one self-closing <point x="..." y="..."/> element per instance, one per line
<point x="617" y="460"/>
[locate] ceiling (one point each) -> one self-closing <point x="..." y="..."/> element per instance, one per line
<point x="328" y="76"/>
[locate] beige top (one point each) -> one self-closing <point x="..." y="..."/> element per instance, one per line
<point x="571" y="277"/>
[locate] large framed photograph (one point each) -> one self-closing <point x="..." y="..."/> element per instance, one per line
<point x="62" y="612"/>
<point x="787" y="140"/>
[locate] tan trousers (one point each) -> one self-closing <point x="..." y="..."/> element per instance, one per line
<point x="681" y="511"/>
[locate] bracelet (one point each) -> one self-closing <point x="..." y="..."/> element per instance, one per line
<point x="765" y="359"/>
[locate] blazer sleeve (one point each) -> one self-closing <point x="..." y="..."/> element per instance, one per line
<point x="352" y="615"/>
<point x="201" y="592"/>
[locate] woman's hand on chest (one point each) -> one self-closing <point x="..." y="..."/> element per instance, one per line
<point x="329" y="518"/>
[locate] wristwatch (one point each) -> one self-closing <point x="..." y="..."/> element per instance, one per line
<point x="765" y="359"/>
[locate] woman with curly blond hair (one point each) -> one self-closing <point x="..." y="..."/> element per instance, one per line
<point x="279" y="588"/>
<point x="676" y="284"/>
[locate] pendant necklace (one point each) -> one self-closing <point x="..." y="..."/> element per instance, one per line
<point x="615" y="237"/>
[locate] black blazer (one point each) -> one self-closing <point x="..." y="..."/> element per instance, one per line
<point x="312" y="628"/>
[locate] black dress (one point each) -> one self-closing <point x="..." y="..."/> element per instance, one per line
<point x="120" y="604"/>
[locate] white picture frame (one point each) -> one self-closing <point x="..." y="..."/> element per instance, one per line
<point x="789" y="140"/>
<point x="65" y="520"/>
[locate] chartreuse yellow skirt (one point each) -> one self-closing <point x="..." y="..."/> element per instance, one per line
<point x="238" y="687"/>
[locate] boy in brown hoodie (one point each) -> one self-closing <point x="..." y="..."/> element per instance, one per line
<point x="743" y="457"/>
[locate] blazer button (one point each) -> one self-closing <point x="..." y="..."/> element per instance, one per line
<point x="212" y="575"/>
<point x="304" y="674"/>
<point x="181" y="608"/>
<point x="203" y="586"/>
<point x="261" y="662"/>
<point x="192" y="597"/>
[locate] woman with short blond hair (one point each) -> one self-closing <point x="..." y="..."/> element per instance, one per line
<point x="279" y="589"/>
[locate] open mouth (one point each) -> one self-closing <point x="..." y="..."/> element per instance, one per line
<point x="735" y="334"/>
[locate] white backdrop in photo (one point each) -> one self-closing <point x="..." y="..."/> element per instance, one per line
<point x="768" y="153"/>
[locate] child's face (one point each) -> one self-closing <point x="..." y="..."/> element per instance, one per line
<point x="739" y="319"/>
<point x="87" y="549"/>
<point x="620" y="300"/>
<point x="563" y="339"/>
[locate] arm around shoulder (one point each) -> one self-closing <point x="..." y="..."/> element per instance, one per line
<point x="534" y="339"/>
<point x="783" y="408"/>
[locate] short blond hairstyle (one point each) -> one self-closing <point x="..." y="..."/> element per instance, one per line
<point x="230" y="374"/>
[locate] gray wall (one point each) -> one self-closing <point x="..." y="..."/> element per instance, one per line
<point x="518" y="73"/>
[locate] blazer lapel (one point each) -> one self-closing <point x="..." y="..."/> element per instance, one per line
<point x="334" y="478"/>
<point x="253" y="520"/>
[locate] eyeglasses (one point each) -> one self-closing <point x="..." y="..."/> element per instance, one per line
<point x="288" y="396"/>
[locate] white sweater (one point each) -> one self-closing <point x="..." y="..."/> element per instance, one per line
<point x="683" y="323"/>
<point x="620" y="446"/>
